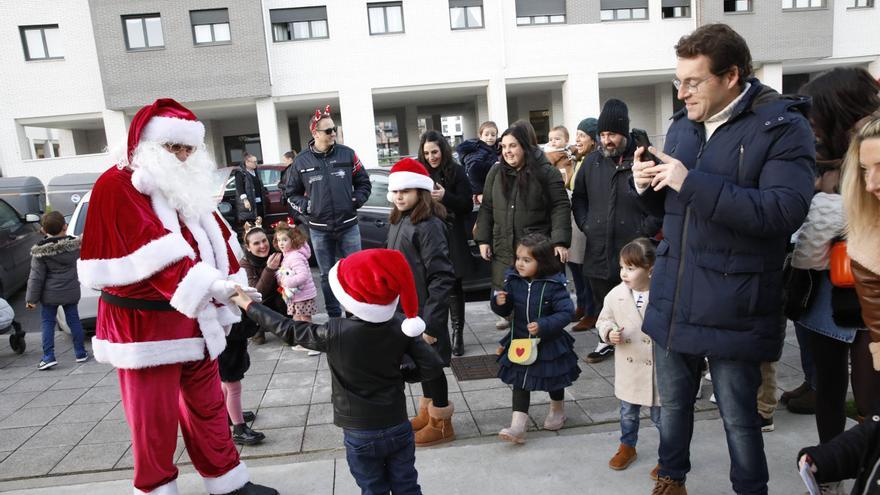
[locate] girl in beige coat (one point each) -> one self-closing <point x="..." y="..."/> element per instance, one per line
<point x="620" y="323"/>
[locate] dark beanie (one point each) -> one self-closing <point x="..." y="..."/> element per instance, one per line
<point x="614" y="117"/>
<point x="588" y="126"/>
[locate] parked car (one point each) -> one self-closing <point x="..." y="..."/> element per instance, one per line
<point x="18" y="233"/>
<point x="276" y="209"/>
<point x="88" y="302"/>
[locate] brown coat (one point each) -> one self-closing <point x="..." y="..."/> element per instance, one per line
<point x="635" y="380"/>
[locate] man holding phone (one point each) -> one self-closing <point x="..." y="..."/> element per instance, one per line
<point x="734" y="182"/>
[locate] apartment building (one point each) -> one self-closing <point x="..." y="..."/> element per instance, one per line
<point x="254" y="71"/>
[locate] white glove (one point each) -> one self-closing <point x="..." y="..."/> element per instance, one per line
<point x="222" y="290"/>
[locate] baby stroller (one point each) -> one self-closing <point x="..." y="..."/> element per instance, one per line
<point x="7" y="323"/>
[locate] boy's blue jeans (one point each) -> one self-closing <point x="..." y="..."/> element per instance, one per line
<point x="71" y="314"/>
<point x="629" y="422"/>
<point x="383" y="461"/>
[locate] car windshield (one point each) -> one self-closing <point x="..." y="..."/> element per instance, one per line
<point x="81" y="219"/>
<point x="379" y="194"/>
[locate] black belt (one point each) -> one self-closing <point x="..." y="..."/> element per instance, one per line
<point x="130" y="303"/>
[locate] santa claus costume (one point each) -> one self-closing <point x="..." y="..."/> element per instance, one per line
<point x="166" y="265"/>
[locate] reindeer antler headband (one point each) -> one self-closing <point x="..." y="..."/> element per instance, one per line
<point x="318" y="116"/>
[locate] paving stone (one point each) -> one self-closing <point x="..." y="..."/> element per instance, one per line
<point x="250" y="399"/>
<point x="488" y="383"/>
<point x="4" y="384"/>
<point x="32" y="462"/>
<point x="605" y="368"/>
<point x="320" y="414"/>
<point x="321" y="393"/>
<point x="280" y="417"/>
<point x="38" y="416"/>
<point x="292" y="380"/>
<point x="574" y="415"/>
<point x="100" y="394"/>
<point x="464" y="425"/>
<point x="255" y="382"/>
<point x="286" y="397"/>
<point x="116" y="414"/>
<point x="106" y="432"/>
<point x="78" y="381"/>
<point x="52" y="435"/>
<point x="111" y="379"/>
<point x="482" y="400"/>
<point x="93" y="367"/>
<point x="322" y="437"/>
<point x="13" y="438"/>
<point x="33" y="383"/>
<point x="265" y="352"/>
<point x="84" y="413"/>
<point x="261" y="368"/>
<point x="589" y="388"/>
<point x="91" y="457"/>
<point x="11" y="372"/>
<point x="297" y="362"/>
<point x="56" y="398"/>
<point x="601" y="409"/>
<point x="278" y="441"/>
<point x="491" y="421"/>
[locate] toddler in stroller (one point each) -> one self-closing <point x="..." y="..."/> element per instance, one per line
<point x="7" y="323"/>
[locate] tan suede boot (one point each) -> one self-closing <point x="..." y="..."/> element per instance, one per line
<point x="556" y="417"/>
<point x="516" y="433"/>
<point x="439" y="428"/>
<point x="623" y="458"/>
<point x="668" y="486"/>
<point x="421" y="419"/>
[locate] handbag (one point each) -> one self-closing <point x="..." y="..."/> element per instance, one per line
<point x="840" y="265"/>
<point x="797" y="288"/>
<point x="525" y="351"/>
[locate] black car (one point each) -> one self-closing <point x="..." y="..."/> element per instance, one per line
<point x="17" y="235"/>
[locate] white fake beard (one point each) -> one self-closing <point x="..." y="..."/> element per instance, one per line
<point x="188" y="186"/>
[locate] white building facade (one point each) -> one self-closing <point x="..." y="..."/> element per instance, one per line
<point x="254" y="72"/>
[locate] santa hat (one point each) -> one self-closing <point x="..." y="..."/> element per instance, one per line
<point x="408" y="174"/>
<point x="370" y="283"/>
<point x="165" y="121"/>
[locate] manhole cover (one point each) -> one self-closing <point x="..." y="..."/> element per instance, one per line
<point x="474" y="367"/>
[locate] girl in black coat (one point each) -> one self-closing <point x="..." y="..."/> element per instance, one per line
<point x="419" y="232"/>
<point x="451" y="188"/>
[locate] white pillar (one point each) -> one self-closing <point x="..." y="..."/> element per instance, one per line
<point x="283" y="135"/>
<point x="874" y="68"/>
<point x="663" y="101"/>
<point x="771" y="75"/>
<point x="482" y="110"/>
<point x="267" y="122"/>
<point x="557" y="110"/>
<point x="305" y="134"/>
<point x="66" y="142"/>
<point x="356" y="110"/>
<point x="116" y="128"/>
<point x="411" y="124"/>
<point x="496" y="98"/>
<point x="580" y="99"/>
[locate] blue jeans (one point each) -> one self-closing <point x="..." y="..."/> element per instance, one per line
<point x="803" y="339"/>
<point x="329" y="248"/>
<point x="71" y="314"/>
<point x="736" y="390"/>
<point x="629" y="422"/>
<point x="582" y="289"/>
<point x="383" y="461"/>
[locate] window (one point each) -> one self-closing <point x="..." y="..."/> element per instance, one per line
<point x="299" y="24"/>
<point x="143" y="31"/>
<point x="803" y="4"/>
<point x="465" y="14"/>
<point x="8" y="217"/>
<point x="860" y="4"/>
<point x="672" y="9"/>
<point x="210" y="26"/>
<point x="530" y="12"/>
<point x="737" y="5"/>
<point x="41" y="42"/>
<point x="623" y="10"/>
<point x="385" y="18"/>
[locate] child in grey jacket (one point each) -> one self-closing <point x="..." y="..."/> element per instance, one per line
<point x="53" y="282"/>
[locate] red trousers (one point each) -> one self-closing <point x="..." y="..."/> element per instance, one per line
<point x="156" y="401"/>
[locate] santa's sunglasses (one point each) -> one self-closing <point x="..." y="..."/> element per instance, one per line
<point x="177" y="148"/>
<point x="328" y="131"/>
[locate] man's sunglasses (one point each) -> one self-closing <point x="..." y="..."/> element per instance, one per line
<point x="328" y="131"/>
<point x="177" y="148"/>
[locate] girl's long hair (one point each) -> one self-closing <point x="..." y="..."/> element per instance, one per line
<point x="425" y="208"/>
<point x="529" y="168"/>
<point x="543" y="253"/>
<point x="862" y="207"/>
<point x="446" y="161"/>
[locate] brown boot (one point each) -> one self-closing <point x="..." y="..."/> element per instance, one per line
<point x="585" y="323"/>
<point x="439" y="428"/>
<point x="623" y="458"/>
<point x="668" y="486"/>
<point x="421" y="419"/>
<point x="516" y="433"/>
<point x="578" y="314"/>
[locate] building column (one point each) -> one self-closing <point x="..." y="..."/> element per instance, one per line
<point x="356" y="114"/>
<point x="771" y="75"/>
<point x="482" y="108"/>
<point x="496" y="98"/>
<point x="663" y="102"/>
<point x="580" y="98"/>
<point x="115" y="128"/>
<point x="267" y="123"/>
<point x="557" y="112"/>
<point x="305" y="132"/>
<point x="283" y="135"/>
<point x="411" y="124"/>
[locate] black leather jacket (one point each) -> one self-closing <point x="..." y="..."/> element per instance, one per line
<point x="365" y="363"/>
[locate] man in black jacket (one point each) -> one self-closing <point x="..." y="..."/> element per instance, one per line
<point x="605" y="209"/>
<point x="249" y="191"/>
<point x="325" y="186"/>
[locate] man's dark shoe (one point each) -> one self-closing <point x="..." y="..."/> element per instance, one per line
<point x="805" y="404"/>
<point x="600" y="355"/>
<point x="249" y="417"/>
<point x="767" y="424"/>
<point x="793" y="394"/>
<point x="668" y="486"/>
<point x="578" y="314"/>
<point x="243" y="435"/>
<point x="585" y="323"/>
<point x="252" y="489"/>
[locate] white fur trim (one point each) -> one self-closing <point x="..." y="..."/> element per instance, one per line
<point x="169" y="488"/>
<point x="167" y="215"/>
<point x="374" y="313"/>
<point x="240" y="277"/>
<point x="139" y="265"/>
<point x="228" y="315"/>
<point x="234" y="479"/>
<point x="212" y="330"/>
<point x="218" y="242"/>
<point x="409" y="180"/>
<point x="137" y="355"/>
<point x="192" y="292"/>
<point x="413" y="327"/>
<point x="174" y="130"/>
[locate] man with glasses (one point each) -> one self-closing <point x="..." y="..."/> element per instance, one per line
<point x="734" y="182"/>
<point x="325" y="186"/>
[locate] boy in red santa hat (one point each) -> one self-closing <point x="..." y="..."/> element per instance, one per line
<point x="166" y="266"/>
<point x="370" y="355"/>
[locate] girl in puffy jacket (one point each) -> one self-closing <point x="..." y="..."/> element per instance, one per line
<point x="295" y="275"/>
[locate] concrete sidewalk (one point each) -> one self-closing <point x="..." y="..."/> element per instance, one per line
<point x="573" y="462"/>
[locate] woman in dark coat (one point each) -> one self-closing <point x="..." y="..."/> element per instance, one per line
<point x="454" y="192"/>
